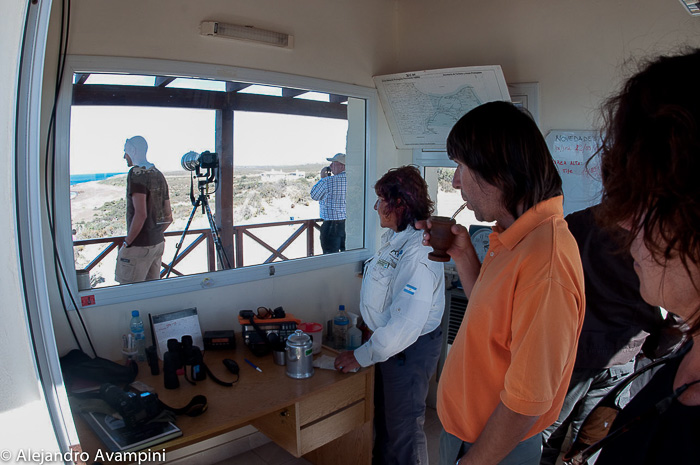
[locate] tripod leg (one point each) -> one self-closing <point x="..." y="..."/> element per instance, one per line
<point x="223" y="259"/>
<point x="182" y="238"/>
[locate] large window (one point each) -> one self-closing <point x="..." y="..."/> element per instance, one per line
<point x="272" y="135"/>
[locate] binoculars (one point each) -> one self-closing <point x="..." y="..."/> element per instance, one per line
<point x="182" y="354"/>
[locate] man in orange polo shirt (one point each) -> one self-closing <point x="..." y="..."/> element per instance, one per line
<point x="506" y="376"/>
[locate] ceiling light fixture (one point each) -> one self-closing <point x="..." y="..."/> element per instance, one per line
<point x="693" y="6"/>
<point x="248" y="33"/>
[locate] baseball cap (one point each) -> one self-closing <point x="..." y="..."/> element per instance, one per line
<point x="339" y="157"/>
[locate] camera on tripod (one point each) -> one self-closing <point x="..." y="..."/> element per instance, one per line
<point x="135" y="409"/>
<point x="182" y="354"/>
<point x="193" y="161"/>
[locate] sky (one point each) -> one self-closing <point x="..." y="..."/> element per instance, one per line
<point x="98" y="135"/>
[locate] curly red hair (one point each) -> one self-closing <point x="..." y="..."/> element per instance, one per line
<point x="405" y="192"/>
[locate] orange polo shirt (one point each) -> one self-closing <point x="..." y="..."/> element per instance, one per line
<point x="517" y="342"/>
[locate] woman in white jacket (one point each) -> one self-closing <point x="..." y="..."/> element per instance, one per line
<point x="402" y="301"/>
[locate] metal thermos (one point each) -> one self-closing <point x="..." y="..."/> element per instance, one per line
<point x="299" y="355"/>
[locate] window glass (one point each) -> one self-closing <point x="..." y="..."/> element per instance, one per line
<point x="448" y="199"/>
<point x="270" y="153"/>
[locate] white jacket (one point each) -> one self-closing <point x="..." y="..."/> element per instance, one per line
<point x="402" y="296"/>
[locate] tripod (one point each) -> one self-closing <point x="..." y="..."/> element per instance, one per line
<point x="202" y="200"/>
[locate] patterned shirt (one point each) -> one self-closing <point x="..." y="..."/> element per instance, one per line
<point x="330" y="194"/>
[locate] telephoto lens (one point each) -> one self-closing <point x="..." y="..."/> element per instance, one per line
<point x="191" y="161"/>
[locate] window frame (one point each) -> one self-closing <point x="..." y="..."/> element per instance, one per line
<point x="152" y="289"/>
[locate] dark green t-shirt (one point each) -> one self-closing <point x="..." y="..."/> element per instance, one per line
<point x="152" y="183"/>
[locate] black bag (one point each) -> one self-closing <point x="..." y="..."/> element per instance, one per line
<point x="76" y="365"/>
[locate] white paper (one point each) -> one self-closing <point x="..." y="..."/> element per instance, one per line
<point x="326" y="362"/>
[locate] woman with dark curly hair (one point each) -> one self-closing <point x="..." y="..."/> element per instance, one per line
<point x="650" y="162"/>
<point x="402" y="301"/>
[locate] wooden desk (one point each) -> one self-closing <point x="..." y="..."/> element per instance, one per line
<point x="327" y="418"/>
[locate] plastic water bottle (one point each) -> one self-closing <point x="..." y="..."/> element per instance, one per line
<point x="354" y="333"/>
<point x="340" y="328"/>
<point x="139" y="336"/>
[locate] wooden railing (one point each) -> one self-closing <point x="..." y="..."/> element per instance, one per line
<point x="199" y="236"/>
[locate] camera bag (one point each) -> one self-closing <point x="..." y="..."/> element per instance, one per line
<point x="78" y="366"/>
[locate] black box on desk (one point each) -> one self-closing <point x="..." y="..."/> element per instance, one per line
<point x="283" y="327"/>
<point x="223" y="339"/>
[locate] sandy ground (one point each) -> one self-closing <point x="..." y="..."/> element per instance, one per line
<point x="86" y="197"/>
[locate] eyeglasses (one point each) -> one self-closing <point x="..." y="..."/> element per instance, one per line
<point x="264" y="313"/>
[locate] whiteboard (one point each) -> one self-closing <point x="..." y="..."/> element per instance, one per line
<point x="571" y="150"/>
<point x="174" y="325"/>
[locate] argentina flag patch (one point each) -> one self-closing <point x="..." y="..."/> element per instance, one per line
<point x="410" y="289"/>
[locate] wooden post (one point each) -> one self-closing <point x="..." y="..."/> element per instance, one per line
<point x="224" y="195"/>
<point x="310" y="238"/>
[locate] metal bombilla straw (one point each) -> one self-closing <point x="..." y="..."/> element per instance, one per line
<point x="458" y="210"/>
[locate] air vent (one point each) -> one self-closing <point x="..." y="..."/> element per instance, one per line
<point x="458" y="304"/>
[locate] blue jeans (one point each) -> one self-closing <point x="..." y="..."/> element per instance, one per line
<point x="333" y="236"/>
<point x="400" y="389"/>
<point x="526" y="452"/>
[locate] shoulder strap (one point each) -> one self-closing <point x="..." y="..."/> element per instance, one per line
<point x="595" y="433"/>
<point x="196" y="406"/>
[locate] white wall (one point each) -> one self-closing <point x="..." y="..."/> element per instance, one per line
<point x="14" y="342"/>
<point x="24" y="419"/>
<point x="311" y="296"/>
<point x="574" y="49"/>
<point x="339" y="40"/>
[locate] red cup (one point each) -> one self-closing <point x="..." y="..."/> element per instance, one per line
<point x="315" y="330"/>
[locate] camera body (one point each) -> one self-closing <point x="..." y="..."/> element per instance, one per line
<point x="182" y="354"/>
<point x="193" y="161"/>
<point x="135" y="409"/>
<point x="208" y="160"/>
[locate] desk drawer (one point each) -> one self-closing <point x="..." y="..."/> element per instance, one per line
<point x="319" y="419"/>
<point x="339" y="396"/>
<point x="332" y="427"/>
